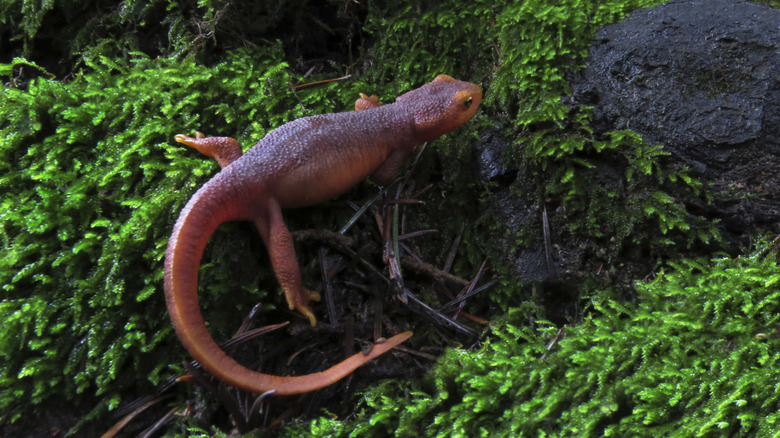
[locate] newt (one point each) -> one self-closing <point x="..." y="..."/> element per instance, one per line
<point x="300" y="163"/>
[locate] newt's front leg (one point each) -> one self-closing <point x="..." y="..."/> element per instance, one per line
<point x="365" y="102"/>
<point x="224" y="150"/>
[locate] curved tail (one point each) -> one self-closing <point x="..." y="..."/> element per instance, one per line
<point x="197" y="222"/>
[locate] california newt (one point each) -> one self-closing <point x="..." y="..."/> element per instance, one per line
<point x="300" y="163"/>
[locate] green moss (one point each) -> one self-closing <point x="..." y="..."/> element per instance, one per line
<point x="644" y="212"/>
<point x="696" y="357"/>
<point x="70" y="29"/>
<point x="416" y="41"/>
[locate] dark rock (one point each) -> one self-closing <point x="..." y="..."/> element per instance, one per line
<point x="701" y="77"/>
<point x="491" y="163"/>
<point x="518" y="211"/>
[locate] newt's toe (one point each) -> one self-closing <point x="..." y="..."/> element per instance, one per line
<point x="303" y="307"/>
<point x="189" y="141"/>
<point x="300" y="302"/>
<point x="186" y="139"/>
<point x="307" y="312"/>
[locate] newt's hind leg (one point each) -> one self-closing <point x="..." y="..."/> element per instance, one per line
<point x="280" y="247"/>
<point x="224" y="150"/>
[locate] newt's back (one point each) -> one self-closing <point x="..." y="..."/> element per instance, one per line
<point x="316" y="158"/>
<point x="322" y="156"/>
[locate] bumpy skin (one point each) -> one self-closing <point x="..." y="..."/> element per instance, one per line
<point x="301" y="163"/>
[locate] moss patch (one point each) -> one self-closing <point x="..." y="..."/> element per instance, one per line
<point x="696" y="357"/>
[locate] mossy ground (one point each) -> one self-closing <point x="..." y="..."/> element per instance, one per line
<point x="697" y="356"/>
<point x="91" y="183"/>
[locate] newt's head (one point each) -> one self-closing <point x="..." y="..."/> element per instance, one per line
<point x="441" y="105"/>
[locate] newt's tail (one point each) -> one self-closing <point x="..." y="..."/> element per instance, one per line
<point x="197" y="222"/>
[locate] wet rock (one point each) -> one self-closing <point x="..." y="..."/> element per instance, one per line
<point x="518" y="212"/>
<point x="701" y="77"/>
<point x="491" y="163"/>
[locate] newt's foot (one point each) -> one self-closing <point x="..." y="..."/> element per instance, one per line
<point x="189" y="141"/>
<point x="367" y="102"/>
<point x="300" y="301"/>
<point x="224" y="150"/>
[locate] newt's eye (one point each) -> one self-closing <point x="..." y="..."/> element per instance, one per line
<point x="467" y="102"/>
